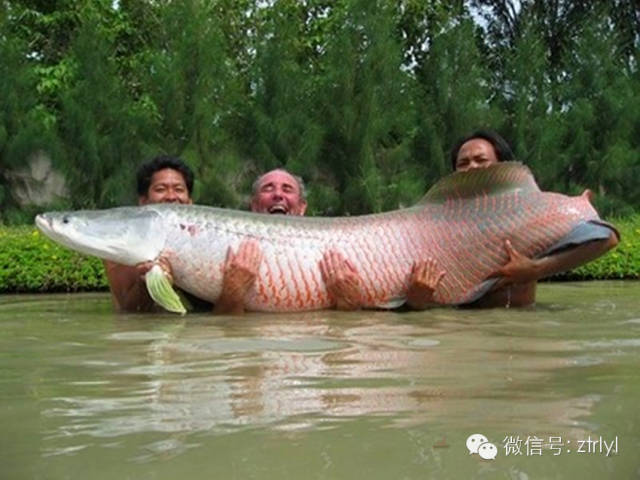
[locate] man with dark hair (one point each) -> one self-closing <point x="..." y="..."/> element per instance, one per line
<point x="480" y="146"/>
<point x="516" y="286"/>
<point x="164" y="179"/>
<point x="517" y="279"/>
<point x="161" y="166"/>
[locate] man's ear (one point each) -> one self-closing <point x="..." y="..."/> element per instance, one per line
<point x="143" y="200"/>
<point x="303" y="207"/>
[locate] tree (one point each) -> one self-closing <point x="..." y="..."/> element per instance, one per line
<point x="367" y="106"/>
<point x="102" y="130"/>
<point x="602" y="103"/>
<point x="456" y="94"/>
<point x="25" y="127"/>
<point x="532" y="119"/>
<point x="193" y="93"/>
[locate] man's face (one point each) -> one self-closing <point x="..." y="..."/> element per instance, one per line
<point x="167" y="186"/>
<point x="476" y="153"/>
<point x="278" y="192"/>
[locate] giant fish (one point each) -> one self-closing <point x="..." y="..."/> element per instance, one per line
<point x="462" y="222"/>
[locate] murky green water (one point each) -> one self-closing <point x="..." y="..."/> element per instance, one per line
<point x="86" y="393"/>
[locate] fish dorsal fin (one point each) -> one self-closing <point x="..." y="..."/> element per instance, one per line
<point x="499" y="178"/>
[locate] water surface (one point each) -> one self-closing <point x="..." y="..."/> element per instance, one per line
<point x="87" y="393"/>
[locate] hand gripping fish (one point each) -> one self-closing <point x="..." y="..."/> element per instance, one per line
<point x="462" y="222"/>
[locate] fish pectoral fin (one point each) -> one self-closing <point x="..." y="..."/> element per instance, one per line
<point x="394" y="302"/>
<point x="162" y="292"/>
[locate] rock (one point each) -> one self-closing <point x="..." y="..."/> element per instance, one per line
<point x="37" y="183"/>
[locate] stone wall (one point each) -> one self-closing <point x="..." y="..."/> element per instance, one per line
<point x="37" y="183"/>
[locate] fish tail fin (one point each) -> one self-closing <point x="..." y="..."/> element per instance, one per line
<point x="162" y="292"/>
<point x="392" y="303"/>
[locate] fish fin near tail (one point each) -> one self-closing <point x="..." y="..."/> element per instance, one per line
<point x="590" y="230"/>
<point x="162" y="292"/>
<point x="499" y="178"/>
<point x="479" y="291"/>
<point x="392" y="304"/>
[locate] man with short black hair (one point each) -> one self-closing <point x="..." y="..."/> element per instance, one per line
<point x="164" y="179"/>
<point x="517" y="282"/>
<point x="473" y="150"/>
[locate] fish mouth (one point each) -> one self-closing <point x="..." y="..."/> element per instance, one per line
<point x="278" y="209"/>
<point x="43" y="223"/>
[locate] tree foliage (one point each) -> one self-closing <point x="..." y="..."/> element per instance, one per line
<point x="362" y="98"/>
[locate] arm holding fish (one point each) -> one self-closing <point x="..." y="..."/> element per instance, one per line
<point x="517" y="285"/>
<point x="127" y="284"/>
<point x="240" y="272"/>
<point x="522" y="269"/>
<point x="342" y="280"/>
<point x="425" y="278"/>
<point x="241" y="269"/>
<point x="344" y="286"/>
<point x="128" y="291"/>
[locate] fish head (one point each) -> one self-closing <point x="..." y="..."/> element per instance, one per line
<point x="127" y="235"/>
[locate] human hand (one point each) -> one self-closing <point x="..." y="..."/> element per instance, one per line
<point x="342" y="280"/>
<point x="162" y="261"/>
<point x="519" y="268"/>
<point x="425" y="278"/>
<point x="240" y="272"/>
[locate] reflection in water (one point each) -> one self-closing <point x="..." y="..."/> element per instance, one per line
<point x="266" y="396"/>
<point x="211" y="375"/>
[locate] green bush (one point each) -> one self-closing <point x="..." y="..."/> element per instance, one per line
<point x="622" y="262"/>
<point x="30" y="262"/>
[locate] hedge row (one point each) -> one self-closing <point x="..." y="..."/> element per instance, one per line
<point x="30" y="262"/>
<point x="621" y="263"/>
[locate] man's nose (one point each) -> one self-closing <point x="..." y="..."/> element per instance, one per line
<point x="473" y="164"/>
<point x="171" y="196"/>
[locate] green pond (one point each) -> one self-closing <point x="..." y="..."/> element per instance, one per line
<point x="89" y="394"/>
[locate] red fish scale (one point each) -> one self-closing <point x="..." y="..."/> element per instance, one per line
<point x="465" y="235"/>
<point x="386" y="285"/>
<point x="479" y="246"/>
